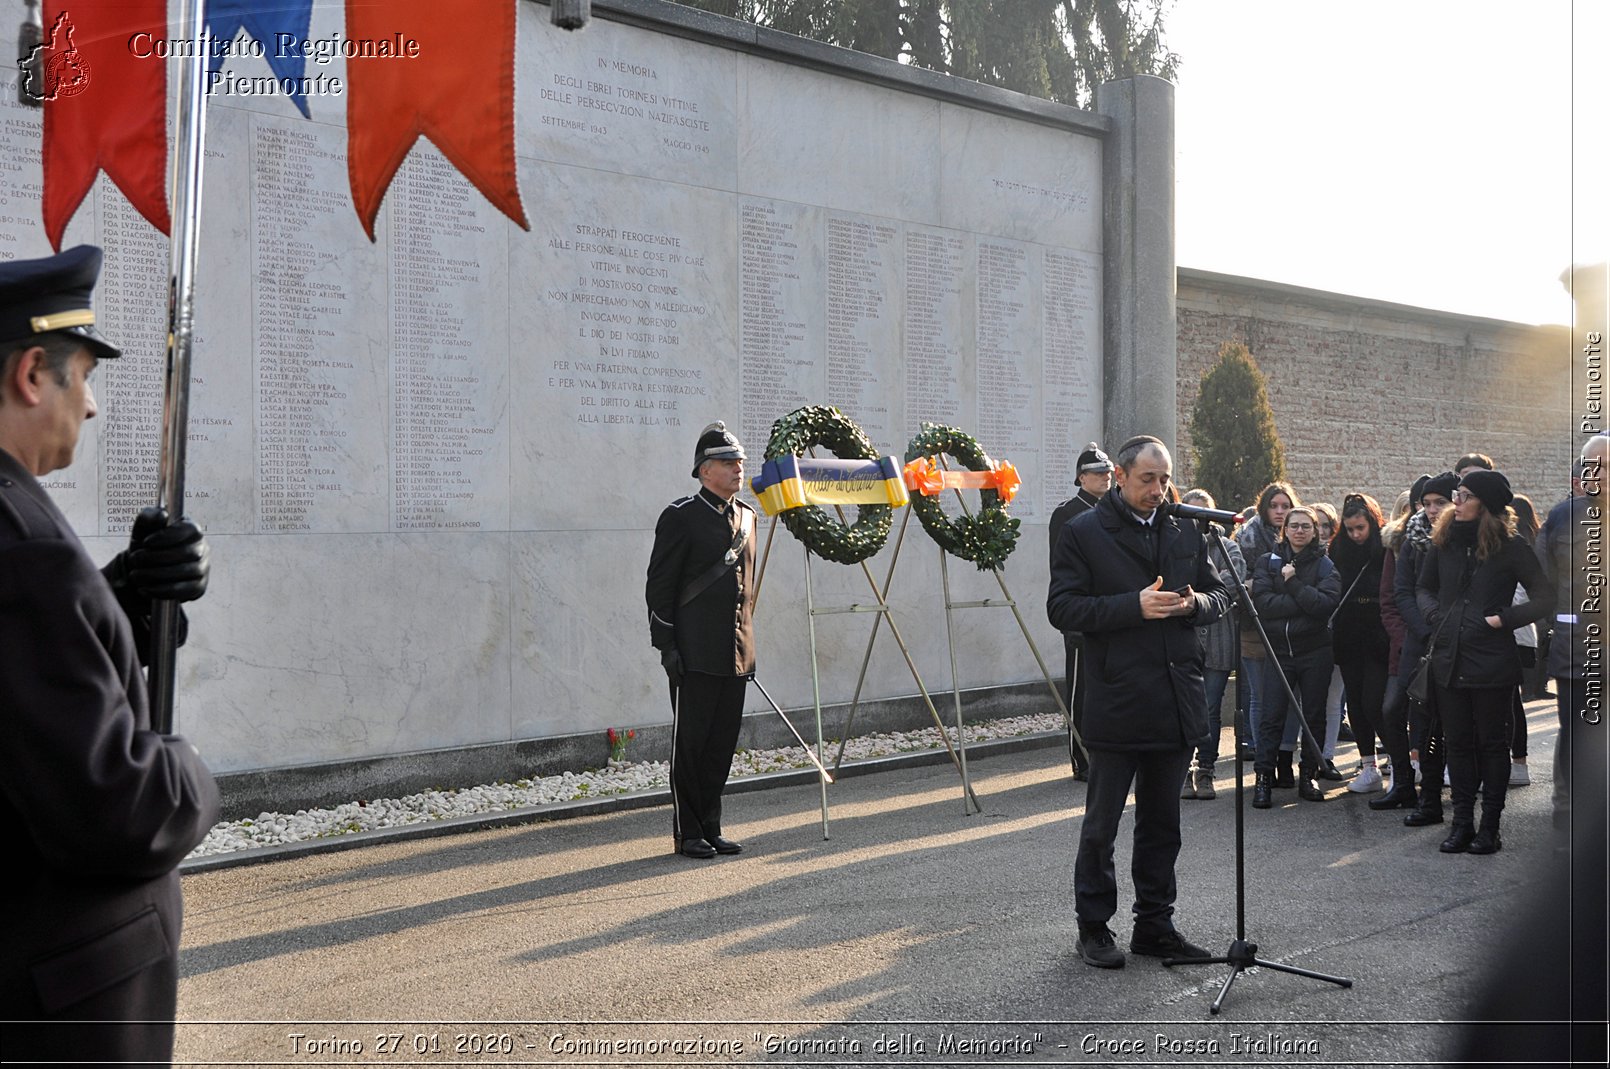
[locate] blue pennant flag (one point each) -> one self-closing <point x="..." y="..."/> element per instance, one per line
<point x="281" y="26"/>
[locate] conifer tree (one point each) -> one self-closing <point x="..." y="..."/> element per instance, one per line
<point x="1235" y="448"/>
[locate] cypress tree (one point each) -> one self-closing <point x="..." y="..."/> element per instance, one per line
<point x="1235" y="448"/>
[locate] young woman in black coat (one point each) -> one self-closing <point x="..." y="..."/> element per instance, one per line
<point x="1466" y="592"/>
<point x="1295" y="589"/>
<point x="1360" y="639"/>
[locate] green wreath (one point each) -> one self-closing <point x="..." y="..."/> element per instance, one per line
<point x="988" y="536"/>
<point x="824" y="535"/>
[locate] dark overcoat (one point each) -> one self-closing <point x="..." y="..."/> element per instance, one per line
<point x="1144" y="677"/>
<point x="97" y="809"/>
<point x="715" y="631"/>
<point x="1456" y="594"/>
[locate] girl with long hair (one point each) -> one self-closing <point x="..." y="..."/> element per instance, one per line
<point x="1363" y="647"/>
<point x="1467" y="594"/>
<point x="1258" y="538"/>
<point x="1295" y="589"/>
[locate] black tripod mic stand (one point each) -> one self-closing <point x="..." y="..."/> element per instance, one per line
<point x="1243" y="954"/>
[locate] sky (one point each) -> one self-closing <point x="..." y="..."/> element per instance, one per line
<point x="1416" y="151"/>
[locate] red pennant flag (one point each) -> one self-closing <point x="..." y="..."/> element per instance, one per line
<point x="105" y="106"/>
<point x="446" y="72"/>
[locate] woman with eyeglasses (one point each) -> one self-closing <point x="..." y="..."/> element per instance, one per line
<point x="1257" y="538"/>
<point x="1295" y="589"/>
<point x="1466" y="592"/>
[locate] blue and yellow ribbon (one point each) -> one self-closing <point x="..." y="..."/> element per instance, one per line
<point x="793" y="482"/>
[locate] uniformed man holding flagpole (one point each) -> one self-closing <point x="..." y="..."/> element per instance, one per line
<point x="96" y="808"/>
<point x="700" y="595"/>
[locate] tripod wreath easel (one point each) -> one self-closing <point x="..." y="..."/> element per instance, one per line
<point x="791" y="488"/>
<point x="986" y="540"/>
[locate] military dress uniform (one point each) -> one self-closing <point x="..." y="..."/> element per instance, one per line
<point x="1091" y="460"/>
<point x="700" y="594"/>
<point x="96" y="809"/>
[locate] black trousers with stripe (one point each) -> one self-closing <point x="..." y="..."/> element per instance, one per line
<point x="704" y="735"/>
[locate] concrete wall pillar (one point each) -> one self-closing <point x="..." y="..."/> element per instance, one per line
<point x="1138" y="238"/>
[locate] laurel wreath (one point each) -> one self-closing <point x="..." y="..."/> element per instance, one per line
<point x="823" y="534"/>
<point x="988" y="536"/>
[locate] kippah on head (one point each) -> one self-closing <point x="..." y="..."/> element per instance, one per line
<point x="51" y="295"/>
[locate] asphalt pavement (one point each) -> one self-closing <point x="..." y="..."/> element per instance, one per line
<point x="914" y="934"/>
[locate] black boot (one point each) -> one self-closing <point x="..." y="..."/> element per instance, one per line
<point x="1429" y="811"/>
<point x="1307" y="789"/>
<point x="1486" y="840"/>
<point x="1260" y="791"/>
<point x="1459" y="838"/>
<point x="1283" y="776"/>
<point x="1401" y="796"/>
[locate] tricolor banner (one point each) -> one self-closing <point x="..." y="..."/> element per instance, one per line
<point x="794" y="482"/>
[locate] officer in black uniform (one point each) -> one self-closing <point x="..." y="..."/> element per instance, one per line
<point x="1095" y="479"/>
<point x="96" y="809"/>
<point x="700" y="602"/>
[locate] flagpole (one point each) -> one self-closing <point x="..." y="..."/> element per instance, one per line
<point x="190" y="134"/>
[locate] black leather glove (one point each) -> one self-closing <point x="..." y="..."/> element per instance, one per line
<point x="671" y="661"/>
<point x="165" y="561"/>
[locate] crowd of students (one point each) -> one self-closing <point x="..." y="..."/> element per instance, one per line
<point x="1351" y="603"/>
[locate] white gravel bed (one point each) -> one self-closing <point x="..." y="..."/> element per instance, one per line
<point x="620" y="777"/>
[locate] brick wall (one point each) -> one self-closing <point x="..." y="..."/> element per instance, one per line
<point x="1367" y="395"/>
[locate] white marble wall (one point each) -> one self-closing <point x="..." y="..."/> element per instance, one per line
<point x="430" y="466"/>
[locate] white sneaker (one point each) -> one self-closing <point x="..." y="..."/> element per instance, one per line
<point x="1518" y="776"/>
<point x="1367" y="780"/>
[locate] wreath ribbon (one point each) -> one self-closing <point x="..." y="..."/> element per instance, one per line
<point x="924" y="476"/>
<point x="791" y="482"/>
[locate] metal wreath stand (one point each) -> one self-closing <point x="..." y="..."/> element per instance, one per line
<point x="880" y="607"/>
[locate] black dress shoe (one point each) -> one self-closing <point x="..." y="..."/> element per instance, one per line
<point x="725" y="846"/>
<point x="1329" y="771"/>
<point x="1458" y="840"/>
<point x="696" y="848"/>
<point x="1096" y="947"/>
<point x="1169" y="944"/>
<point x="1486" y="842"/>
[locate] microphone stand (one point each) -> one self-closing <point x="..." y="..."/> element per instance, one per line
<point x="1243" y="953"/>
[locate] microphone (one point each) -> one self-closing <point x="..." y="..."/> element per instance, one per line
<point x="1196" y="512"/>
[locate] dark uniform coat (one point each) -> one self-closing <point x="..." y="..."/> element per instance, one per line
<point x="97" y="809"/>
<point x="715" y="631"/>
<point x="1077" y="505"/>
<point x="1144" y="676"/>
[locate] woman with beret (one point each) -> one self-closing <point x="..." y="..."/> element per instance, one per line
<point x="1295" y="589"/>
<point x="1466" y="592"/>
<point x="1425" y="728"/>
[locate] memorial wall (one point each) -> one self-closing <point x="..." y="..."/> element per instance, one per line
<point x="430" y="467"/>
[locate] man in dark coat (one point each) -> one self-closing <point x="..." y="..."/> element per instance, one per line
<point x="700" y="595"/>
<point x="1095" y="479"/>
<point x="1136" y="583"/>
<point x="97" y="809"/>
